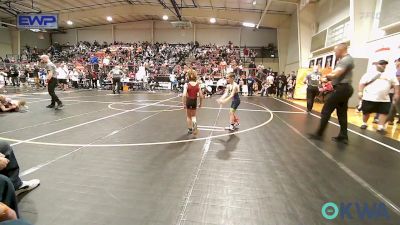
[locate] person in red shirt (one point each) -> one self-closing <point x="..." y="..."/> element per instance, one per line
<point x="189" y="99"/>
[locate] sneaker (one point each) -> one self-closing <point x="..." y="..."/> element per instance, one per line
<point x="381" y="131"/>
<point x="190" y="131"/>
<point x="343" y="140"/>
<point x="27" y="186"/>
<point x="50" y="106"/>
<point x="363" y="126"/>
<point x="59" y="106"/>
<point x="195" y="130"/>
<point x="236" y="124"/>
<point x="231" y="127"/>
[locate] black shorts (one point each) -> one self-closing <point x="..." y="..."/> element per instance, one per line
<point x="368" y="107"/>
<point x="191" y="103"/>
<point x="235" y="104"/>
<point x="62" y="81"/>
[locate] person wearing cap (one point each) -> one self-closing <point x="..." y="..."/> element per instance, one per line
<point x="341" y="78"/>
<point x="374" y="89"/>
<point x="52" y="81"/>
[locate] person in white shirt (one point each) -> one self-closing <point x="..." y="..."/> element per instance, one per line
<point x="62" y="75"/>
<point x="174" y="82"/>
<point x="221" y="84"/>
<point x="374" y="91"/>
<point x="270" y="83"/>
<point x="106" y="63"/>
<point x="2" y="81"/>
<point x="74" y="76"/>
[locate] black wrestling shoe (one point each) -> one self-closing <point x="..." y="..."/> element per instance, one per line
<point x="50" y="106"/>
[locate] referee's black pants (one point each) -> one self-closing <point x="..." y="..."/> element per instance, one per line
<point x="51" y="88"/>
<point x="312" y="92"/>
<point x="339" y="101"/>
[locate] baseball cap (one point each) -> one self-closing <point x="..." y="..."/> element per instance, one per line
<point x="381" y="62"/>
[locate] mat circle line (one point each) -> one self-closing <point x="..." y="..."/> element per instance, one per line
<point x="152" y="143"/>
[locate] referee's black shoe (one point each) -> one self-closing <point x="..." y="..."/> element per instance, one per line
<point x="343" y="140"/>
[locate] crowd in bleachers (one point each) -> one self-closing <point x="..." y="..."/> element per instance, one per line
<point x="146" y="65"/>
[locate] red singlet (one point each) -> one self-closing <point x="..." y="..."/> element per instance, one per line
<point x="192" y="91"/>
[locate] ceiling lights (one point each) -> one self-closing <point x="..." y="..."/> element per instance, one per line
<point x="254" y="2"/>
<point x="165" y="17"/>
<point x="109" y="18"/>
<point x="69" y="22"/>
<point x="213" y="20"/>
<point x="246" y="24"/>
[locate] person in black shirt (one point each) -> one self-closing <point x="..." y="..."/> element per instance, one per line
<point x="281" y="82"/>
<point x="313" y="81"/>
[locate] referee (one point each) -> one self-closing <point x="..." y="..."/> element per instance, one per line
<point x="341" y="80"/>
<point x="52" y="81"/>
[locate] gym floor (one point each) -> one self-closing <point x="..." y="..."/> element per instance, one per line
<point x="127" y="159"/>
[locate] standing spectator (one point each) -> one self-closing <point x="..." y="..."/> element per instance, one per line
<point x="374" y="91"/>
<point x="280" y="85"/>
<point x="74" y="76"/>
<point x="2" y="80"/>
<point x="62" y="75"/>
<point x="313" y="81"/>
<point x="36" y="76"/>
<point x="14" y="75"/>
<point x="395" y="108"/>
<point x="250" y="83"/>
<point x="94" y="78"/>
<point x="252" y="68"/>
<point x="270" y="84"/>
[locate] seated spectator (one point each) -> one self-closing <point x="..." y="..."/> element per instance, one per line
<point x="9" y="167"/>
<point x="221" y="84"/>
<point x="8" y="204"/>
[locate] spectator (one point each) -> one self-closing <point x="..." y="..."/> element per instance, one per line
<point x="374" y="91"/>
<point x="9" y="167"/>
<point x="250" y="83"/>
